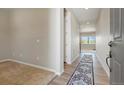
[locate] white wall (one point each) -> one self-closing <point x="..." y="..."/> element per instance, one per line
<point x="4" y="34"/>
<point x="103" y="37"/>
<point x="75" y="38"/>
<point x="87" y="27"/>
<point x="67" y="37"/>
<point x="35" y="37"/>
<point x="72" y="37"/>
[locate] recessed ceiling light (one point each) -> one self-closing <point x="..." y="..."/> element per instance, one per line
<point x="86" y="8"/>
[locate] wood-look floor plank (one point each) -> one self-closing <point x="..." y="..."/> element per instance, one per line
<point x="100" y="76"/>
<point x="12" y="73"/>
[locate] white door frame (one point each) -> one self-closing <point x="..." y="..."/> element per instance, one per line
<point x="61" y="40"/>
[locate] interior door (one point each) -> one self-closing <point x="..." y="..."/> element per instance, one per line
<point x="117" y="46"/>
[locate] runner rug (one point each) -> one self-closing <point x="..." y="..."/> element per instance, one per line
<point x="83" y="74"/>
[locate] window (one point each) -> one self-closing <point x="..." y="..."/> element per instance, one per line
<point x="84" y="40"/>
<point x="88" y="40"/>
<point x="92" y="40"/>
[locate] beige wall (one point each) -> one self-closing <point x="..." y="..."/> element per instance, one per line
<point x="29" y="29"/>
<point x="35" y="37"/>
<point x="103" y="37"/>
<point x="4" y="34"/>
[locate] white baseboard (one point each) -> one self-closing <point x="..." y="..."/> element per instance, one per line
<point x="75" y="58"/>
<point x="104" y="67"/>
<point x="4" y="60"/>
<point x="32" y="65"/>
<point x="59" y="74"/>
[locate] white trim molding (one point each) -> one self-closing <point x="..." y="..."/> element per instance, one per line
<point x="4" y="60"/>
<point x="32" y="65"/>
<point x="75" y="58"/>
<point x="103" y="65"/>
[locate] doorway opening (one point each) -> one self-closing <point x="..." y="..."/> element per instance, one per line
<point x="80" y="41"/>
<point x="88" y="42"/>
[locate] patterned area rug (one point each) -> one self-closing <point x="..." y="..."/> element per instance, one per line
<point x="87" y="58"/>
<point x="83" y="74"/>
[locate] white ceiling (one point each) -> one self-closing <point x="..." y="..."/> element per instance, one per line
<point x="86" y="17"/>
<point x="83" y="15"/>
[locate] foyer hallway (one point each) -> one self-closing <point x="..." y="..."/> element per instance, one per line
<point x="100" y="76"/>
